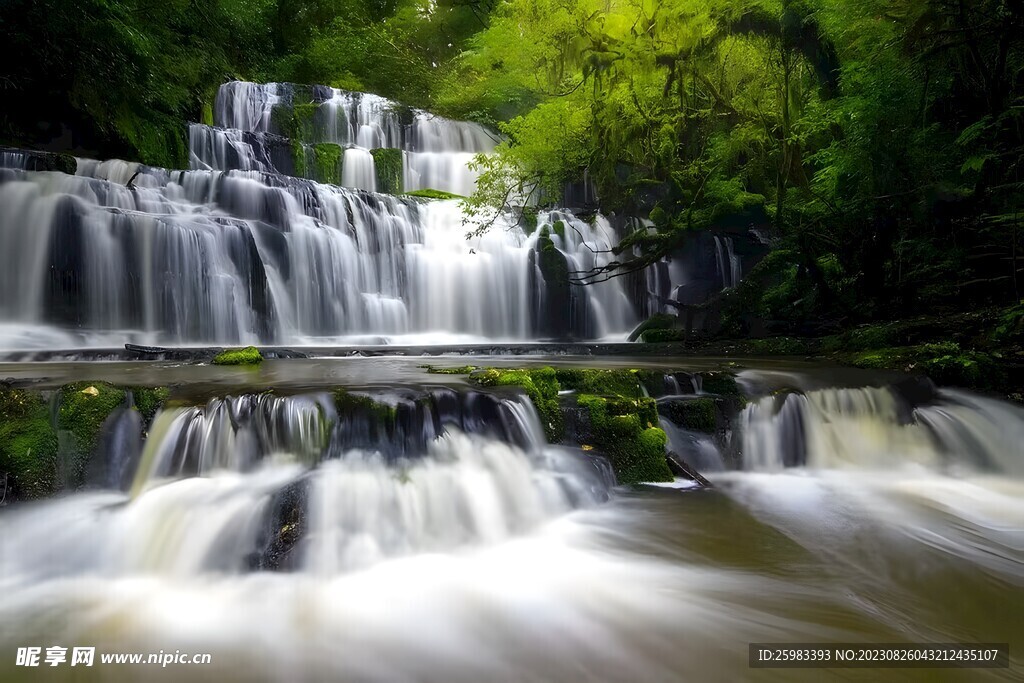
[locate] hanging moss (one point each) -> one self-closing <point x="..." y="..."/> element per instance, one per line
<point x="28" y="445"/>
<point x="305" y="126"/>
<point x="250" y="355"/>
<point x="83" y="408"/>
<point x="540" y="384"/>
<point x="625" y="431"/>
<point x="299" y="158"/>
<point x="388" y="164"/>
<point x="328" y="162"/>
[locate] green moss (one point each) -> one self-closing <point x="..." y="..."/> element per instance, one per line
<point x="778" y="346"/>
<point x="719" y="383"/>
<point x="388" y="164"/>
<point x="83" y="408"/>
<point x="698" y="415"/>
<point x="348" y="403"/>
<point x="206" y="117"/>
<point x="658" y="321"/>
<point x="622" y="383"/>
<point x="625" y="431"/>
<point x="148" y="400"/>
<point x="943" y="362"/>
<point x="304" y="129"/>
<point x="558" y="228"/>
<point x="540" y="384"/>
<point x="433" y="194"/>
<point x="328" y="157"/>
<point x="299" y="158"/>
<point x="28" y="444"/>
<point x="282" y="121"/>
<point x="528" y="220"/>
<point x="250" y="355"/>
<point x="463" y="370"/>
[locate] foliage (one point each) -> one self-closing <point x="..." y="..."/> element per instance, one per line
<point x="432" y="194"/>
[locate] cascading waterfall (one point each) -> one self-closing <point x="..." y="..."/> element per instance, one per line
<point x="877" y="428"/>
<point x="267" y="482"/>
<point x="435" y="151"/>
<point x="123" y="252"/>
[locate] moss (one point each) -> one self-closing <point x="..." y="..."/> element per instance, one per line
<point x="347" y="403"/>
<point x="299" y="158"/>
<point x="148" y="400"/>
<point x="304" y="126"/>
<point x="206" y="116"/>
<point x="658" y="321"/>
<point x="778" y="346"/>
<point x="388" y="165"/>
<point x="28" y="444"/>
<point x="943" y="362"/>
<point x="699" y="415"/>
<point x="528" y="220"/>
<point x="433" y="194"/>
<point x="250" y="355"/>
<point x="558" y="228"/>
<point x="622" y="383"/>
<point x="463" y="370"/>
<point x="83" y="408"/>
<point x="625" y="432"/>
<point x="540" y="384"/>
<point x="662" y="336"/>
<point x="719" y="383"/>
<point x="327" y="157"/>
<point x="282" y="121"/>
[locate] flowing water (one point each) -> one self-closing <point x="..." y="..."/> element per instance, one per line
<point x="435" y="536"/>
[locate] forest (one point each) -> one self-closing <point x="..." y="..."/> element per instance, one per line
<point x="875" y="144"/>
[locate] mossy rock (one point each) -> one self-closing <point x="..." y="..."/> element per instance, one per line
<point x="304" y="115"/>
<point x="622" y="383"/>
<point x="28" y="445"/>
<point x="658" y="321"/>
<point x="943" y="362"/>
<point x="388" y="166"/>
<point x="662" y="336"/>
<point x="83" y="408"/>
<point x="698" y="415"/>
<point x="148" y="400"/>
<point x="720" y="384"/>
<point x="626" y="432"/>
<point x="249" y="355"/>
<point x="347" y="403"/>
<point x="540" y="384"/>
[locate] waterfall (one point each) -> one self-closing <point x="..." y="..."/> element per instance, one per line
<point x="730" y="266"/>
<point x="239" y="251"/>
<point x="357" y="479"/>
<point x="876" y="428"/>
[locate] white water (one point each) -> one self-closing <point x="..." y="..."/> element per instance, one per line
<point x="468" y="562"/>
